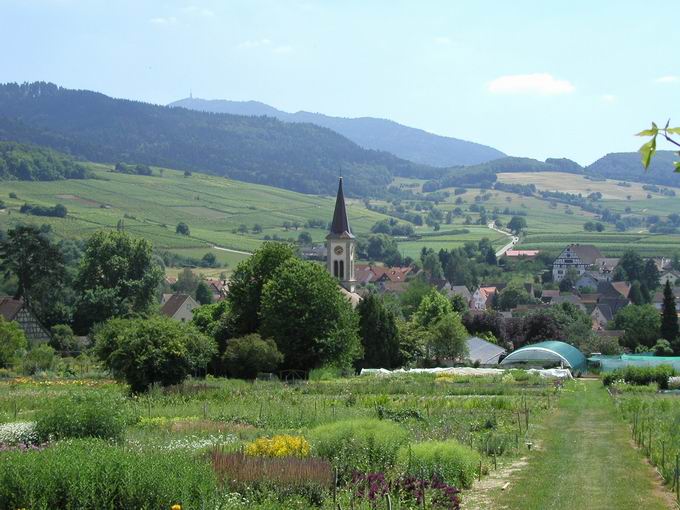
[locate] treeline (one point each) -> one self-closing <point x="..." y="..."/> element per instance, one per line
<point x="300" y="157"/>
<point x="57" y="211"/>
<point x="30" y="163"/>
<point x="123" y="168"/>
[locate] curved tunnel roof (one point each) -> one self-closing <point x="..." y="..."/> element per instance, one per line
<point x="551" y="350"/>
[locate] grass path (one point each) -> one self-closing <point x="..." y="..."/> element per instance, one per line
<point x="585" y="460"/>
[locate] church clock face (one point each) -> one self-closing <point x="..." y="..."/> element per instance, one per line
<point x="338" y="250"/>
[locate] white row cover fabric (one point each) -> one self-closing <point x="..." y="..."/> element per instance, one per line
<point x="550" y="373"/>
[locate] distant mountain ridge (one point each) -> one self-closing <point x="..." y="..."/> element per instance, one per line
<point x="404" y="142"/>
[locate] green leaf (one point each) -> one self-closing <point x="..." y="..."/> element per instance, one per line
<point x="677" y="166"/>
<point x="647" y="152"/>
<point x="674" y="131"/>
<point x="649" y="132"/>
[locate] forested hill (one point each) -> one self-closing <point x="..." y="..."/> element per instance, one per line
<point x="371" y="133"/>
<point x="626" y="166"/>
<point x="300" y="157"/>
<point x="23" y="162"/>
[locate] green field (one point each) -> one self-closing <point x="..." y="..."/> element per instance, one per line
<point x="213" y="207"/>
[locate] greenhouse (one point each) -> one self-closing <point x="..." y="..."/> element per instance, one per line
<point x="610" y="363"/>
<point x="548" y="354"/>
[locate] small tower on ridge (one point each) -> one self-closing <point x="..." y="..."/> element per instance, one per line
<point x="341" y="245"/>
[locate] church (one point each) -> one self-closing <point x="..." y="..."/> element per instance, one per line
<point x="341" y="249"/>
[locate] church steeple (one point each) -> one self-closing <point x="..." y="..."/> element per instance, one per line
<point x="340" y="224"/>
<point x="341" y="244"/>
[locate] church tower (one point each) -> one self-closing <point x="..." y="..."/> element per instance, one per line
<point x="341" y="245"/>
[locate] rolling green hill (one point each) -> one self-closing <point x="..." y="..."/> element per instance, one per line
<point x="301" y="157"/>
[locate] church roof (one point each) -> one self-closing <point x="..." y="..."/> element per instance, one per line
<point x="340" y="224"/>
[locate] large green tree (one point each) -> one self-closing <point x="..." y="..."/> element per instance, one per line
<point x="118" y="276"/>
<point x="448" y="338"/>
<point x="311" y="321"/>
<point x="433" y="307"/>
<point x="669" y="316"/>
<point x="379" y="333"/>
<point x="248" y="280"/>
<point x="35" y="262"/>
<point x="157" y="350"/>
<point x="641" y="325"/>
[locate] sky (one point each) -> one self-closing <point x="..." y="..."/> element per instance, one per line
<point x="532" y="78"/>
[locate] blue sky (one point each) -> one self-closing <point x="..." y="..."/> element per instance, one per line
<point x="533" y="78"/>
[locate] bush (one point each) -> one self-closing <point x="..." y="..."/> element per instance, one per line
<point x="18" y="433"/>
<point x="365" y="445"/>
<point x="452" y="462"/>
<point x="93" y="414"/>
<point x="38" y="359"/>
<point x="279" y="446"/>
<point x="247" y="356"/>
<point x="95" y="475"/>
<point x="13" y="342"/>
<point x="641" y="376"/>
<point x="156" y="350"/>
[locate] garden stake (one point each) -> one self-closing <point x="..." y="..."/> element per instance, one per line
<point x="480" y="470"/>
<point x="205" y="410"/>
<point x="677" y="472"/>
<point x="335" y="484"/>
<point x="389" y="501"/>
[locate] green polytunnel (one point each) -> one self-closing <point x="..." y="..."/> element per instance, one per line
<point x="551" y="352"/>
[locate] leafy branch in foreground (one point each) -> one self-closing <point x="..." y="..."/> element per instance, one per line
<point x="648" y="149"/>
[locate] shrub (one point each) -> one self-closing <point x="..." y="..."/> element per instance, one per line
<point x="366" y="445"/>
<point x="38" y="359"/>
<point x="94" y="475"/>
<point x="247" y="356"/>
<point x="279" y="446"/>
<point x="452" y="462"/>
<point x="641" y="376"/>
<point x="93" y="414"/>
<point x="156" y="350"/>
<point x="18" y="433"/>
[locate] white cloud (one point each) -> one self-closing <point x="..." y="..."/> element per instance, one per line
<point x="668" y="79"/>
<point x="254" y="44"/>
<point x="538" y="83"/>
<point x="608" y="98"/>
<point x="283" y="49"/>
<point x="169" y="20"/>
<point x="443" y="40"/>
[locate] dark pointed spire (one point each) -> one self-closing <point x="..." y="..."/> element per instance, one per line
<point x="340" y="225"/>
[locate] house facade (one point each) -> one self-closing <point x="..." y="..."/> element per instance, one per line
<point x="577" y="257"/>
<point x="16" y="310"/>
<point x="179" y="307"/>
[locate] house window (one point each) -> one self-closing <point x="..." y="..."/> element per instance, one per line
<point x="342" y="269"/>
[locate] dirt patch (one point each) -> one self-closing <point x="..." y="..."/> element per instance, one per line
<point x="484" y="492"/>
<point x="76" y="198"/>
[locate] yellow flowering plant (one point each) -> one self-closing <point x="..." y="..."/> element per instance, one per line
<point x="279" y="446"/>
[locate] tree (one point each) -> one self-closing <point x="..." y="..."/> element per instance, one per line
<point x="448" y="339"/>
<point x="182" y="229"/>
<point x="635" y="294"/>
<point x="411" y="298"/>
<point x="432" y="265"/>
<point x="641" y="324"/>
<point x="257" y="228"/>
<point x="512" y="296"/>
<point x="305" y="238"/>
<point x="117" y="276"/>
<point x="63" y="340"/>
<point x="311" y="322"/>
<point x="670" y="330"/>
<point x="247" y="356"/>
<point x="247" y="281"/>
<point x="662" y="348"/>
<point x="157" y="350"/>
<point x="379" y="333"/>
<point x="203" y="294"/>
<point x="33" y="260"/>
<point x="459" y="304"/>
<point x="632" y="265"/>
<point x="650" y="275"/>
<point x="209" y="260"/>
<point x="433" y="307"/>
<point x="38" y="359"/>
<point x="12" y="342"/>
<point x="187" y="282"/>
<point x="517" y="224"/>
